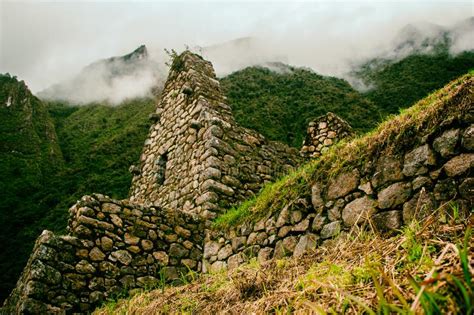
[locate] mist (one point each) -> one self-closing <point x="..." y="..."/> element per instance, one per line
<point x="49" y="44"/>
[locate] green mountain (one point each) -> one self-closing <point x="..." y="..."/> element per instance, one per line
<point x="397" y="85"/>
<point x="30" y="158"/>
<point x="51" y="154"/>
<point x="279" y="104"/>
<point x="99" y="144"/>
<point x="421" y="62"/>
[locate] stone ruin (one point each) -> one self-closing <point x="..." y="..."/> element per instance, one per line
<point x="322" y="133"/>
<point x="196" y="157"/>
<point x="196" y="163"/>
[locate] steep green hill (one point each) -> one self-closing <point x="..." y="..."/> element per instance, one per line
<point x="395" y="85"/>
<point x="99" y="144"/>
<point x="30" y="158"/>
<point x="51" y="154"/>
<point x="281" y="104"/>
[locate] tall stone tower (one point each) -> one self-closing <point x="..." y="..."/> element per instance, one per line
<point x="196" y="158"/>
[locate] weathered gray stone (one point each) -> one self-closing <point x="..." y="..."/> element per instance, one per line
<point x="301" y="227"/>
<point x="343" y="184"/>
<point x="387" y="220"/>
<point x="147" y="245"/>
<point x="421" y="181"/>
<point x="388" y="169"/>
<point x="111" y="208"/>
<point x="161" y="257"/>
<point x="458" y="165"/>
<point x="394" y="195"/>
<point x="264" y="254"/>
<point x="417" y="160"/>
<point x="235" y="261"/>
<point x="211" y="249"/>
<point x="224" y="252"/>
<point x="466" y="189"/>
<point x="445" y="189"/>
<point x="358" y="211"/>
<point x="106" y="243"/>
<point x="177" y="250"/>
<point x="85" y="267"/>
<point x="43" y="272"/>
<point x="296" y="216"/>
<point x="366" y="188"/>
<point x="238" y="242"/>
<point x="283" y="217"/>
<point x="446" y="144"/>
<point x="467" y="140"/>
<point x="420" y="206"/>
<point x="218" y="266"/>
<point x="306" y="243"/>
<point x="285" y="247"/>
<point x="131" y="239"/>
<point x="331" y="229"/>
<point x="147" y="282"/>
<point x="318" y="223"/>
<point x="122" y="256"/>
<point x="316" y="198"/>
<point x="96" y="254"/>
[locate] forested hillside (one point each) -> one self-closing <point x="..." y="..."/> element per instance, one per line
<point x="30" y="158"/>
<point x="280" y="104"/>
<point x="394" y="85"/>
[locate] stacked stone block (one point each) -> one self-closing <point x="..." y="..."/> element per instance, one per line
<point x="196" y="157"/>
<point x="322" y="133"/>
<point x="111" y="246"/>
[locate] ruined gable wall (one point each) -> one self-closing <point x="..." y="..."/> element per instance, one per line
<point x="196" y="157"/>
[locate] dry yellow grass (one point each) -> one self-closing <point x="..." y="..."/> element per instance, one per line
<point x="359" y="272"/>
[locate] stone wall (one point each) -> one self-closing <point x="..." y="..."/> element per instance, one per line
<point x="322" y="133"/>
<point x="434" y="169"/>
<point x="111" y="246"/>
<point x="196" y="157"/>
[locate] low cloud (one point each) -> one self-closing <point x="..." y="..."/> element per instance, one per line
<point x="46" y="43"/>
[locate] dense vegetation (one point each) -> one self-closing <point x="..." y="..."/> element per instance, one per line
<point x="29" y="159"/>
<point x="281" y="104"/>
<point x="397" y="85"/>
<point x="42" y="175"/>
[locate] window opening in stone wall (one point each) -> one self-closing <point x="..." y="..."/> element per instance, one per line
<point x="161" y="171"/>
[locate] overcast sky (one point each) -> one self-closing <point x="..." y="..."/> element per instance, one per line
<point x="46" y="42"/>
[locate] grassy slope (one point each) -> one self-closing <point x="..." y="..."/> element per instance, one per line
<point x="356" y="273"/>
<point x="280" y="105"/>
<point x="392" y="135"/>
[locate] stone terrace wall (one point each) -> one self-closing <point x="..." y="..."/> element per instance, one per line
<point x="111" y="246"/>
<point x="389" y="192"/>
<point x="322" y="133"/>
<point x="196" y="158"/>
